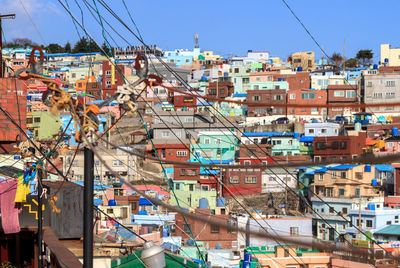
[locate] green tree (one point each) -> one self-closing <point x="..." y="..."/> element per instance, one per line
<point x="93" y="47"/>
<point x="82" y="46"/>
<point x="105" y="48"/>
<point x="337" y="59"/>
<point x="67" y="47"/>
<point x="54" y="48"/>
<point x="365" y="56"/>
<point x="351" y="63"/>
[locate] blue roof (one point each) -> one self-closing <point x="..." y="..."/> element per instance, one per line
<point x="269" y="134"/>
<point x="386" y="168"/>
<point x="239" y="95"/>
<point x="226" y="162"/>
<point x="209" y="172"/>
<point x="321" y="170"/>
<point x="97" y="201"/>
<point x="342" y="167"/>
<point x="144" y="202"/>
<point x="97" y="102"/>
<point x="307" y="139"/>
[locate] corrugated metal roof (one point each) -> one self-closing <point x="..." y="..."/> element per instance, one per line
<point x="382" y="168"/>
<point x="342" y="167"/>
<point x="393" y="229"/>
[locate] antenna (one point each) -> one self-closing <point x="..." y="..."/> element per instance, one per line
<point x="196" y="40"/>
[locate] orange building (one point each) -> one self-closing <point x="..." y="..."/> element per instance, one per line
<point x="80" y="85"/>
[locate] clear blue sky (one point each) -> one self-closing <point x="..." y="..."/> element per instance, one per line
<point x="225" y="26"/>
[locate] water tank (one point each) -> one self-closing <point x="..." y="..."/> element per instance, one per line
<point x="204" y="78"/>
<point x="357" y="126"/>
<point x="250" y="50"/>
<point x="280" y="79"/>
<point x="367" y="168"/>
<point x="152" y="255"/>
<point x="371" y="206"/>
<point x="143" y="212"/>
<point x="220" y="202"/>
<point x="374" y="182"/>
<point x="386" y="60"/>
<point x="218" y="246"/>
<point x="395" y="131"/>
<point x="190" y="243"/>
<point x="246" y="264"/>
<point x="375" y="67"/>
<point x="112" y="202"/>
<point x="165" y="233"/>
<point x="203" y="203"/>
<point x="247" y="256"/>
<point x="299" y="69"/>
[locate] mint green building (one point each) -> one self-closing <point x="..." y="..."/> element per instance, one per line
<point x="189" y="194"/>
<point x="285" y="145"/>
<point x="215" y="147"/>
<point x="269" y="85"/>
<point x="240" y="77"/>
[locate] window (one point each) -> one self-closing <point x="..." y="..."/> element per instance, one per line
<point x="338" y="94"/>
<point x="217" y="141"/>
<point x="331" y="210"/>
<point x="246" y="80"/>
<point x="108" y="83"/>
<point x="350" y="94"/>
<point x="343" y="175"/>
<point x="369" y="223"/>
<point x="117" y="163"/>
<point x="321" y="145"/>
<point x="183" y="172"/>
<point x="189" y="120"/>
<point x="321" y="177"/>
<point x="204" y="188"/>
<point x="388" y="223"/>
<point x="251" y="179"/>
<point x="110" y="210"/>
<point x="306" y="96"/>
<point x="292" y="96"/>
<point x="359" y="175"/>
<point x="165" y="134"/>
<point x="344" y="210"/>
<point x="191" y="187"/>
<point x="247" y="162"/>
<point x="357" y="192"/>
<point x="186" y="228"/>
<point x="207" y="141"/>
<point x="214" y="229"/>
<point x="236" y="70"/>
<point x="271" y="178"/>
<point x="181" y="153"/>
<point x="314" y="110"/>
<point x="343" y="144"/>
<point x="341" y="191"/>
<point x="191" y="172"/>
<point x="324" y="130"/>
<point x="177" y="186"/>
<point x="278" y="97"/>
<point x="256" y="98"/>
<point x="234" y="179"/>
<point x="311" y="131"/>
<point x="97" y="163"/>
<point x="36" y="119"/>
<point x="29" y="120"/>
<point x="389" y="95"/>
<point x="294" y="230"/>
<point x="369" y="84"/>
<point x="390" y="83"/>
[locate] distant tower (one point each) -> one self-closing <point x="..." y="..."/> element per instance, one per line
<point x="196" y="40"/>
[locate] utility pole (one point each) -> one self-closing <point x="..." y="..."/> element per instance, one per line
<point x="7" y="16"/>
<point x="40" y="215"/>
<point x="359" y="216"/>
<point x="344" y="56"/>
<point x="88" y="208"/>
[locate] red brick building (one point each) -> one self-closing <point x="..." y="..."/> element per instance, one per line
<point x="220" y="89"/>
<point x="95" y="89"/>
<point x="175" y="152"/>
<point x="267" y="98"/>
<point x="242" y="181"/>
<point x="181" y="101"/>
<point x="212" y="235"/>
<point x="343" y="94"/>
<point x="16" y="107"/>
<point x="339" y="147"/>
<point x="112" y="77"/>
<point x="183" y="172"/>
<point x="252" y="154"/>
<point x="306" y="96"/>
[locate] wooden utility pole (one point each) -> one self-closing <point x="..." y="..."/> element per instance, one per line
<point x="7" y="16"/>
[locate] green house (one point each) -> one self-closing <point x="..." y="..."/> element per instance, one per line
<point x="189" y="194"/>
<point x="45" y="124"/>
<point x="284" y="145"/>
<point x="215" y="147"/>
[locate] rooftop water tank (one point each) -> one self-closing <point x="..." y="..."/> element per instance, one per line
<point x="371" y="206"/>
<point x="374" y="182"/>
<point x="152" y="255"/>
<point x="386" y="60"/>
<point x="203" y="203"/>
<point x="218" y="246"/>
<point x="280" y="79"/>
<point x="220" y="202"/>
<point x="250" y="50"/>
<point x="247" y="256"/>
<point x="112" y="202"/>
<point x="375" y="67"/>
<point x="395" y="131"/>
<point x="367" y="168"/>
<point x="299" y="69"/>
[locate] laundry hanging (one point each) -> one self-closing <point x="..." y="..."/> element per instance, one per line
<point x="9" y="210"/>
<point x="22" y="190"/>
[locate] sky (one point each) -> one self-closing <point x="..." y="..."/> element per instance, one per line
<point x="229" y="27"/>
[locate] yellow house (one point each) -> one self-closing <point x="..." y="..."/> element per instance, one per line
<point x="345" y="181"/>
<point x="305" y="60"/>
<point x="390" y="55"/>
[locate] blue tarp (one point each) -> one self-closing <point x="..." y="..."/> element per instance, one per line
<point x="382" y="168"/>
<point x="98" y="201"/>
<point x="307" y="139"/>
<point x="270" y="134"/>
<point x="239" y="95"/>
<point x="226" y="162"/>
<point x="144" y="202"/>
<point x="342" y="167"/>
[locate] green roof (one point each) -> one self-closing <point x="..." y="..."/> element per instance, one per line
<point x="171" y="261"/>
<point x="393" y="229"/>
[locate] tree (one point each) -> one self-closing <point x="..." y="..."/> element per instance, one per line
<point x="93" y="47"/>
<point x="82" y="46"/>
<point x="54" y="48"/>
<point x="20" y="42"/>
<point x="351" y="63"/>
<point x="67" y="48"/>
<point x="365" y="56"/>
<point x="105" y="48"/>
<point x="337" y="59"/>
